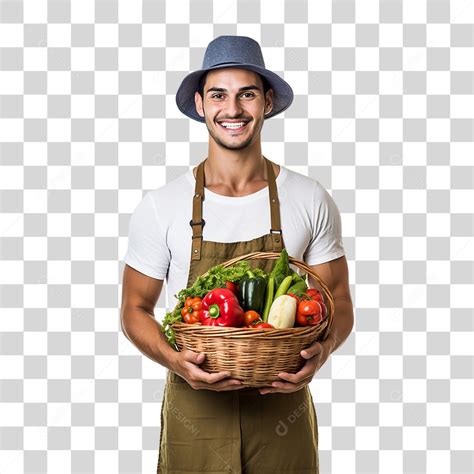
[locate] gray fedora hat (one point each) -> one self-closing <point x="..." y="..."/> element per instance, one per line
<point x="233" y="51"/>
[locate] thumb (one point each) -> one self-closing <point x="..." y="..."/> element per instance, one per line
<point x="312" y="350"/>
<point x="195" y="357"/>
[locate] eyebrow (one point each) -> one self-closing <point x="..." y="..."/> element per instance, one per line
<point x="220" y="89"/>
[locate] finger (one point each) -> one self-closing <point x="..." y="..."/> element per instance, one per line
<point x="194" y="357"/>
<point x="275" y="387"/>
<point x="234" y="385"/>
<point x="301" y="376"/>
<point x="224" y="385"/>
<point x="311" y="351"/>
<point x="290" y="385"/>
<point x="281" y="387"/>
<point x="202" y="376"/>
<point x="265" y="390"/>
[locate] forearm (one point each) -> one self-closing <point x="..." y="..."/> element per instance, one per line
<point x="343" y="323"/>
<point x="141" y="328"/>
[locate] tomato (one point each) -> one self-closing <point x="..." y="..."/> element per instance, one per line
<point x="256" y="323"/>
<point x="309" y="313"/>
<point x="192" y="310"/>
<point x="312" y="291"/>
<point x="193" y="302"/>
<point x="315" y="294"/>
<point x="308" y="307"/>
<point x="308" y="320"/>
<point x="262" y="325"/>
<point x="250" y="317"/>
<point x="324" y="311"/>
<point x="191" y="318"/>
<point x="296" y="297"/>
<point x="230" y="285"/>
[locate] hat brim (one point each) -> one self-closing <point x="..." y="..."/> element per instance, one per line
<point x="282" y="91"/>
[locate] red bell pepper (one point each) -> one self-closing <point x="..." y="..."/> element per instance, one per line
<point x="220" y="307"/>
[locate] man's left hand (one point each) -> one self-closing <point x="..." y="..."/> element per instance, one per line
<point x="315" y="355"/>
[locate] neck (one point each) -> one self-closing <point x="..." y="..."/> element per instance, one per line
<point x="235" y="169"/>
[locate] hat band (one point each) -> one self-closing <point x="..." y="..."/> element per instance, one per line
<point x="227" y="62"/>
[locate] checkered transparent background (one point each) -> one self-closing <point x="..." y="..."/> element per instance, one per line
<point x="382" y="117"/>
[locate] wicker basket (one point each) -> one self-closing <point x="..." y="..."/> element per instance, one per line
<point x="255" y="356"/>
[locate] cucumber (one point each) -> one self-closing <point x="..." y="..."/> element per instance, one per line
<point x="269" y="298"/>
<point x="283" y="288"/>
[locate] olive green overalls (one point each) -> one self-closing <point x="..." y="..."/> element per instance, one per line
<point x="236" y="431"/>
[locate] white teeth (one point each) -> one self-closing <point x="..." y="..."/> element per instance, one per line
<point x="233" y="125"/>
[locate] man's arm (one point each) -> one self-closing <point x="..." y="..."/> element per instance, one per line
<point x="336" y="276"/>
<point x="139" y="296"/>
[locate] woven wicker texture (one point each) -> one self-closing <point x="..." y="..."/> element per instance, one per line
<point x="256" y="356"/>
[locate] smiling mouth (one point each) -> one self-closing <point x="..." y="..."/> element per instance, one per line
<point x="233" y="128"/>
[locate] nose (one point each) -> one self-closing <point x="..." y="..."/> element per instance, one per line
<point x="234" y="108"/>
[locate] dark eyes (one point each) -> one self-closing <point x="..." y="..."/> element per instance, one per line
<point x="245" y="93"/>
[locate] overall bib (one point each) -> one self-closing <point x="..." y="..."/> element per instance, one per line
<point x="236" y="431"/>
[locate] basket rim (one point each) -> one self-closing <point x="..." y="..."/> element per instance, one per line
<point x="203" y="332"/>
<point x="181" y="325"/>
<point x="328" y="297"/>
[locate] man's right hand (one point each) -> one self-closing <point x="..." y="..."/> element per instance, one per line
<point x="186" y="364"/>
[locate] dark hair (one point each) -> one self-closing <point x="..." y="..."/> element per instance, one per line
<point x="202" y="81"/>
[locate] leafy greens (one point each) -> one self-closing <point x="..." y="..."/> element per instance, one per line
<point x="216" y="277"/>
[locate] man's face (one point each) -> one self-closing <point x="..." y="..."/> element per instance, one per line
<point x="234" y="95"/>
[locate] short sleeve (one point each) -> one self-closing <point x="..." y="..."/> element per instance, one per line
<point x="147" y="251"/>
<point x="326" y="242"/>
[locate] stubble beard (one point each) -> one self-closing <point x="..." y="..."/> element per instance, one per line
<point x="226" y="144"/>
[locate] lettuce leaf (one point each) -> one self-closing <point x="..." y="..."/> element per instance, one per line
<point x="216" y="277"/>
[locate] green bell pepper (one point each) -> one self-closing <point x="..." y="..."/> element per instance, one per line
<point x="252" y="292"/>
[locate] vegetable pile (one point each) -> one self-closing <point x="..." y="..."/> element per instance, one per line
<point x="237" y="296"/>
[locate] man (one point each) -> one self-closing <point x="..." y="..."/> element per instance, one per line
<point x="210" y="422"/>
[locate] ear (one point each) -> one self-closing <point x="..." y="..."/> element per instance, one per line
<point x="198" y="104"/>
<point x="268" y="101"/>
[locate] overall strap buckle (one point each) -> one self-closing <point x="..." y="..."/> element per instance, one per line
<point x="277" y="239"/>
<point x="201" y="222"/>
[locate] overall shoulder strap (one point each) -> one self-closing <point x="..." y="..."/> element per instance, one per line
<point x="275" y="230"/>
<point x="197" y="221"/>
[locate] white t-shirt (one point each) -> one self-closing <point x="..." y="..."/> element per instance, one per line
<point x="159" y="243"/>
